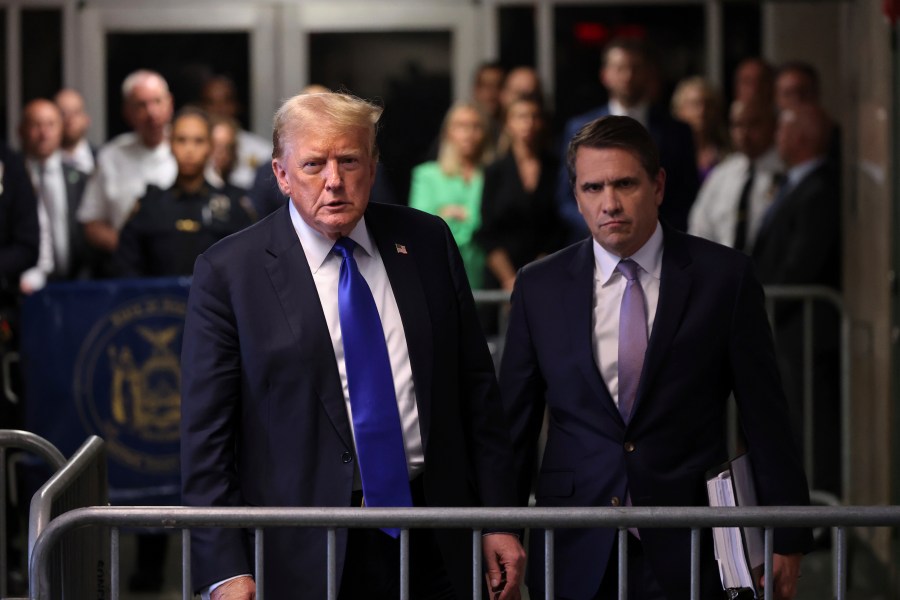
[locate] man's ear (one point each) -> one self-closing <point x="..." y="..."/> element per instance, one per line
<point x="281" y="176"/>
<point x="660" y="184"/>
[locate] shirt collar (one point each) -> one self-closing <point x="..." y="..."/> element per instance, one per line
<point x="51" y="164"/>
<point x="648" y="257"/>
<point x="796" y="173"/>
<point x="638" y="112"/>
<point x="317" y="247"/>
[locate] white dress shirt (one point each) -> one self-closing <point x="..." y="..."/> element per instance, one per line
<point x="325" y="266"/>
<point x="638" y="112"/>
<point x="124" y="168"/>
<point x="53" y="220"/>
<point x="81" y="157"/>
<point x="609" y="286"/>
<point x="714" y="214"/>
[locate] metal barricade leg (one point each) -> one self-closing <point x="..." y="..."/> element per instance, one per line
<point x="4" y="561"/>
<point x="331" y="560"/>
<point x="476" y="564"/>
<point x="549" y="565"/>
<point x="186" y="585"/>
<point x="840" y="562"/>
<point x="260" y="575"/>
<point x="623" y="564"/>
<point x="770" y="548"/>
<point x="695" y="564"/>
<point x="404" y="564"/>
<point x="114" y="553"/>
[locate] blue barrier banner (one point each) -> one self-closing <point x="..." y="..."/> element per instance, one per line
<point x="102" y="358"/>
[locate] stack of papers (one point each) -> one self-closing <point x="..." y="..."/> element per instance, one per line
<point x="740" y="551"/>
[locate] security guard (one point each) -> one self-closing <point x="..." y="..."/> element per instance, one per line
<point x="168" y="229"/>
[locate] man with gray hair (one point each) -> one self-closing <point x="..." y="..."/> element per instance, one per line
<point x="333" y="357"/>
<point x="130" y="161"/>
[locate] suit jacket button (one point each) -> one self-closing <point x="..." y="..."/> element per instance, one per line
<point x="615" y="501"/>
<point x="346" y="457"/>
<point x="629" y="447"/>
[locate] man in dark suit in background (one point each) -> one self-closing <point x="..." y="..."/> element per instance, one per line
<point x="19" y="232"/>
<point x="799" y="243"/>
<point x="628" y="74"/>
<point x="64" y="253"/>
<point x="19" y="239"/>
<point x="634" y="339"/>
<point x="270" y="371"/>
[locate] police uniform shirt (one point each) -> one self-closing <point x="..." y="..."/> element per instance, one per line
<point x="253" y="150"/>
<point x="168" y="229"/>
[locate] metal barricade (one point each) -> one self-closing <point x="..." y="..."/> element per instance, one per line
<point x="476" y="519"/>
<point x="80" y="564"/>
<point x="32" y="444"/>
<point x="809" y="297"/>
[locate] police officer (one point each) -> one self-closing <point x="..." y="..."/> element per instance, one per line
<point x="168" y="229"/>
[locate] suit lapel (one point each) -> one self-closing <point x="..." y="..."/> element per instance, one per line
<point x="674" y="291"/>
<point x="579" y="302"/>
<point x="289" y="272"/>
<point x="398" y="253"/>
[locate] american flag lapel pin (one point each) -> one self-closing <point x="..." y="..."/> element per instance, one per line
<point x="401" y="249"/>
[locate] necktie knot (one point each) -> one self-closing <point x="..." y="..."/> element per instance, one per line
<point x="628" y="268"/>
<point x="345" y="247"/>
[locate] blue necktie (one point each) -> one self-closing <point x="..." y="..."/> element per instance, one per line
<point x="376" y="418"/>
<point x="632" y="337"/>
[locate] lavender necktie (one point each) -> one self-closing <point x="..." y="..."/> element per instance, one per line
<point x="632" y="336"/>
<point x="376" y="418"/>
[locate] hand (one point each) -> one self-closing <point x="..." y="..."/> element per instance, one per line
<point x="785" y="572"/>
<point x="505" y="561"/>
<point x="239" y="588"/>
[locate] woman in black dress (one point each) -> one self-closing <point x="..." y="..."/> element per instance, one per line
<point x="519" y="221"/>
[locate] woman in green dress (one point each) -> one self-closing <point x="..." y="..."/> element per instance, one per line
<point x="451" y="186"/>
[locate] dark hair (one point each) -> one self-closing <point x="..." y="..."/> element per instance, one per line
<point x="623" y="133"/>
<point x="489" y="65"/>
<point x="631" y="45"/>
<point x="805" y="69"/>
<point x="189" y="110"/>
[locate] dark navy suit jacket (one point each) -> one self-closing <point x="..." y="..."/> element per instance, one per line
<point x="19" y="232"/>
<point x="676" y="155"/>
<point x="264" y="421"/>
<point x="81" y="254"/>
<point x="710" y="337"/>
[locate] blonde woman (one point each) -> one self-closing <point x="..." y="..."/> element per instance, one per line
<point x="451" y="186"/>
<point x="699" y="104"/>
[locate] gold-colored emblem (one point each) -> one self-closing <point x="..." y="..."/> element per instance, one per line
<point x="127" y="383"/>
<point x="188" y="225"/>
<point x="146" y="396"/>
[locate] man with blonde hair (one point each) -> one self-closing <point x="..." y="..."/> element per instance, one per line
<point x="332" y="357"/>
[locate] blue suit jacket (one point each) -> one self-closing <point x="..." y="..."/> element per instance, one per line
<point x="676" y="155"/>
<point x="710" y="337"/>
<point x="264" y="421"/>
